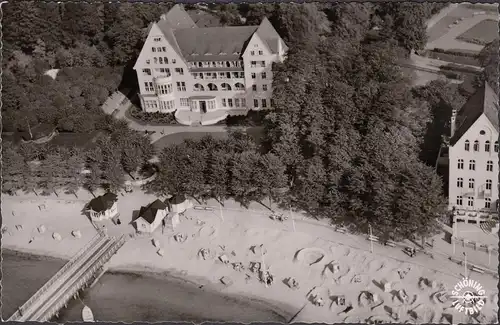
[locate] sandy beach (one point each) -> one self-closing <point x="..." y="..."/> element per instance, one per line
<point x="325" y="263"/>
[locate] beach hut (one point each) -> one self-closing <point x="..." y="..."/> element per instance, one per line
<point x="179" y="203"/>
<point x="56" y="236"/>
<point x="76" y="233"/>
<point x="103" y="207"/>
<point x="151" y="217"/>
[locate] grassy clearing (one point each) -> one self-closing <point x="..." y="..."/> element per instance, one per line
<point x="482" y="33"/>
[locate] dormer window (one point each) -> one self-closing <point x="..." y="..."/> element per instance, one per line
<point x="148" y="61"/>
<point x="157" y="39"/>
<point x="208" y="53"/>
<point x="222" y="53"/>
<point x="467" y="145"/>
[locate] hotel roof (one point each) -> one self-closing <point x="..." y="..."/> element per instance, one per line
<point x="483" y="101"/>
<point x="212" y="43"/>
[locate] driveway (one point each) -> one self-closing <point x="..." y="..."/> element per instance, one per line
<point x="119" y="103"/>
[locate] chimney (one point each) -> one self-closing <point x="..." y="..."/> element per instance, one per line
<point x="452" y="122"/>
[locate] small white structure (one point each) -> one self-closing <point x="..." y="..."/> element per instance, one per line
<point x="151" y="217"/>
<point x="76" y="233"/>
<point x="103" y="207"/>
<point x="42" y="229"/>
<point x="179" y="203"/>
<point x="56" y="236"/>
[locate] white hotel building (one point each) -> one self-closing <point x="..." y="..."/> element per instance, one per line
<point x="473" y="156"/>
<point x="204" y="73"/>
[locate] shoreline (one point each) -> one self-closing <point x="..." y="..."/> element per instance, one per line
<point x="171" y="275"/>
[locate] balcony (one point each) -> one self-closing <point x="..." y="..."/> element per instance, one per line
<point x="162" y="79"/>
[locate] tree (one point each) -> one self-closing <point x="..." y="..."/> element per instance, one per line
<point x="489" y="60"/>
<point x="243" y="184"/>
<point x="14" y="168"/>
<point x="52" y="167"/>
<point x="270" y="177"/>
<point x="405" y="22"/>
<point x="217" y="175"/>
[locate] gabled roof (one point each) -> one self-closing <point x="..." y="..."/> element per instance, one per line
<point x="179" y="18"/>
<point x="103" y="202"/>
<point x="149" y="213"/>
<point x="270" y="36"/>
<point x="212" y="43"/>
<point x="483" y="101"/>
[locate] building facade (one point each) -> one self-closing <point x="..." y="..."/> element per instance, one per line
<point x="473" y="155"/>
<point x="184" y="68"/>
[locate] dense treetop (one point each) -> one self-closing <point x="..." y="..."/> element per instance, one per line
<point x="345" y="141"/>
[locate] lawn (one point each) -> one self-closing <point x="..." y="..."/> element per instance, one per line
<point x="177" y="138"/>
<point x="482" y="33"/>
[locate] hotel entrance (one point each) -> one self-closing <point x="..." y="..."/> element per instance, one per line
<point x="203" y="106"/>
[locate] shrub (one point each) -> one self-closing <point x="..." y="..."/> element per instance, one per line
<point x="151" y="118"/>
<point x="253" y="118"/>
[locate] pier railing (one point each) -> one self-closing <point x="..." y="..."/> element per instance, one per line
<point x="83" y="276"/>
<point x="56" y="276"/>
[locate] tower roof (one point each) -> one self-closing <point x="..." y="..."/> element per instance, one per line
<point x="483" y="101"/>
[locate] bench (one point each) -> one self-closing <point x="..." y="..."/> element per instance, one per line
<point x="477" y="269"/>
<point x="341" y="230"/>
<point x="390" y="243"/>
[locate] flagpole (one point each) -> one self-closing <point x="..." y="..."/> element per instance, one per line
<point x="465" y="264"/>
<point x="371" y="238"/>
<point x="264" y="274"/>
<point x="220" y="210"/>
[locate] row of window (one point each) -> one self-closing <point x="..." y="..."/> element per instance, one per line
<point x="264" y="88"/>
<point x="220" y="75"/>
<point x="256" y="103"/>
<point x="153" y="104"/>
<point x="147" y="71"/>
<point x="472" y="165"/>
<point x="238" y="102"/>
<point x="260" y="52"/>
<point x="160" y="60"/>
<point x="253" y="64"/>
<point x="263" y="75"/>
<point x="224" y="86"/>
<point x="460" y="183"/>
<point x="159" y="49"/>
<point x="487" y="146"/>
<point x="164" y="89"/>
<point x="167" y="105"/>
<point x="470" y="202"/>
<point x="216" y="64"/>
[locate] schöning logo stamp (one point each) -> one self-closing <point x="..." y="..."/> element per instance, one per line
<point x="469" y="296"/>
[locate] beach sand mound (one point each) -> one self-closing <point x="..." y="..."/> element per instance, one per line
<point x="208" y="231"/>
<point x="310" y="256"/>
<point x="367" y="299"/>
